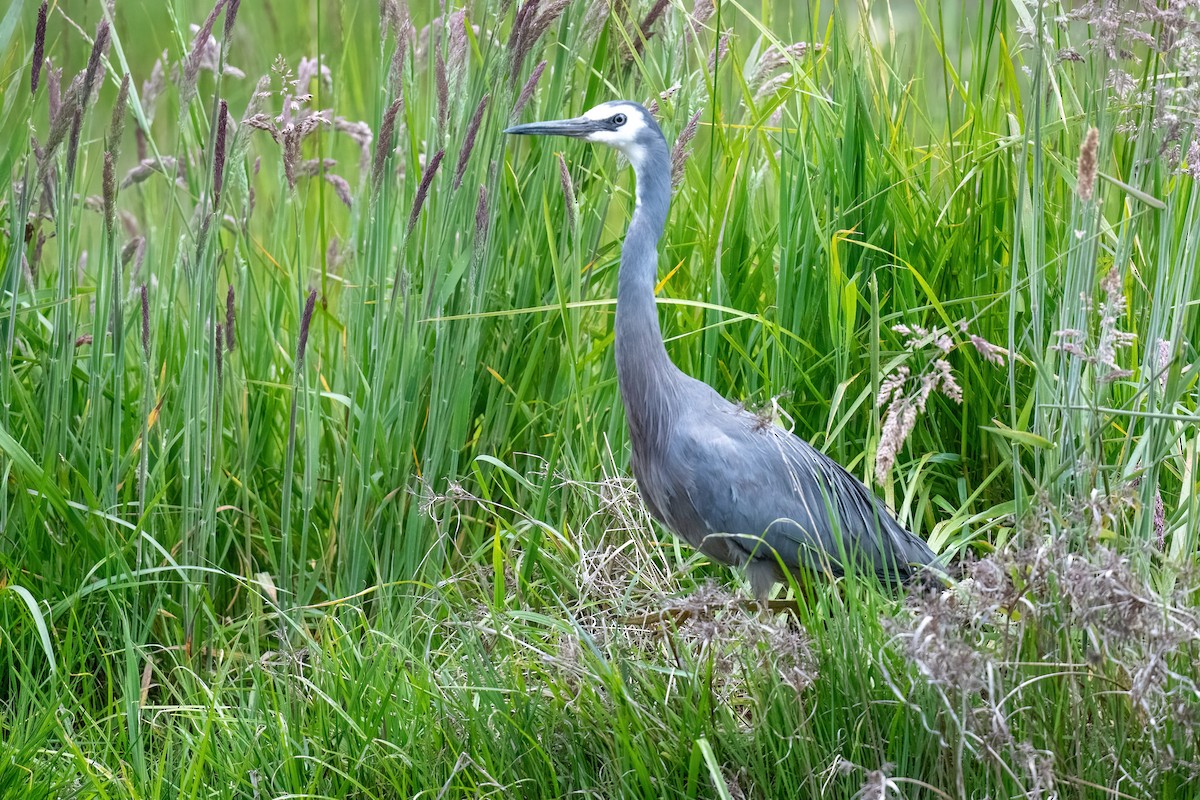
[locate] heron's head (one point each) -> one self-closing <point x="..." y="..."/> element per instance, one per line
<point x="621" y="124"/>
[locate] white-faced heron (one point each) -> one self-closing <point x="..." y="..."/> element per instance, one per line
<point x="744" y="492"/>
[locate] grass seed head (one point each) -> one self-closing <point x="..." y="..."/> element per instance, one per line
<point x="191" y="64"/>
<point x="219" y="153"/>
<point x="933" y="640"/>
<point x="133" y="249"/>
<point x="718" y="53"/>
<point x="230" y="320"/>
<point x="305" y="322"/>
<point x="646" y="29"/>
<point x="680" y="152"/>
<point x="109" y="192"/>
<point x="383" y="145"/>
<point x="99" y="48"/>
<point x="481" y="218"/>
<point x="531" y="21"/>
<point x="333" y="254"/>
<point x="403" y="29"/>
<point x="53" y="89"/>
<point x="442" y="85"/>
<point x="220" y="352"/>
<point x="1112" y="338"/>
<point x="564" y="177"/>
<point x="341" y="187"/>
<point x="145" y="323"/>
<point x="88" y="85"/>
<point x="169" y="165"/>
<point x="390" y="18"/>
<point x="877" y="785"/>
<point x="230" y="18"/>
<point x="39" y="48"/>
<point x="1086" y="174"/>
<point x="116" y="127"/>
<point x="457" y="45"/>
<point x="292" y="136"/>
<point x="423" y="188"/>
<point x="1191" y="166"/>
<point x="898" y="423"/>
<point x="702" y="12"/>
<point x="361" y="133"/>
<point x="154" y="86"/>
<point x="990" y="352"/>
<point x="526" y="93"/>
<point x="469" y="140"/>
<point x="69" y="122"/>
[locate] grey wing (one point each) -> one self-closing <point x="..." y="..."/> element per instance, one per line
<point x="766" y="491"/>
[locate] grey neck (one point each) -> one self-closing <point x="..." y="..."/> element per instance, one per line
<point x="646" y="375"/>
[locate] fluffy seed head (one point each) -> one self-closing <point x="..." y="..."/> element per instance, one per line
<point x="990" y="352"/>
<point x="1086" y="177"/>
<point x="679" y="153"/>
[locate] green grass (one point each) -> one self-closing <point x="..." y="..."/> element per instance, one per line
<point x="408" y="560"/>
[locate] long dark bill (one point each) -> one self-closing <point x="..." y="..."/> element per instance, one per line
<point x="575" y="128"/>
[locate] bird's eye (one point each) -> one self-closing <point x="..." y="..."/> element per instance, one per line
<point x="618" y="120"/>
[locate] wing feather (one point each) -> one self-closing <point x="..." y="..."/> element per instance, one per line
<point x="767" y="491"/>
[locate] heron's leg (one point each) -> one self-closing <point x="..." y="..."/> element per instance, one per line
<point x="763" y="573"/>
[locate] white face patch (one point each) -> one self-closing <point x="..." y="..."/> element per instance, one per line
<point x="625" y="136"/>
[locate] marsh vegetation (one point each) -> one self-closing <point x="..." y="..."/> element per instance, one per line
<point x="313" y="470"/>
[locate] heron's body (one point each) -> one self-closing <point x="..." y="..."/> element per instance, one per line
<point x="742" y="490"/>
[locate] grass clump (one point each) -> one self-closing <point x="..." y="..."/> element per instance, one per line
<point x="313" y="459"/>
